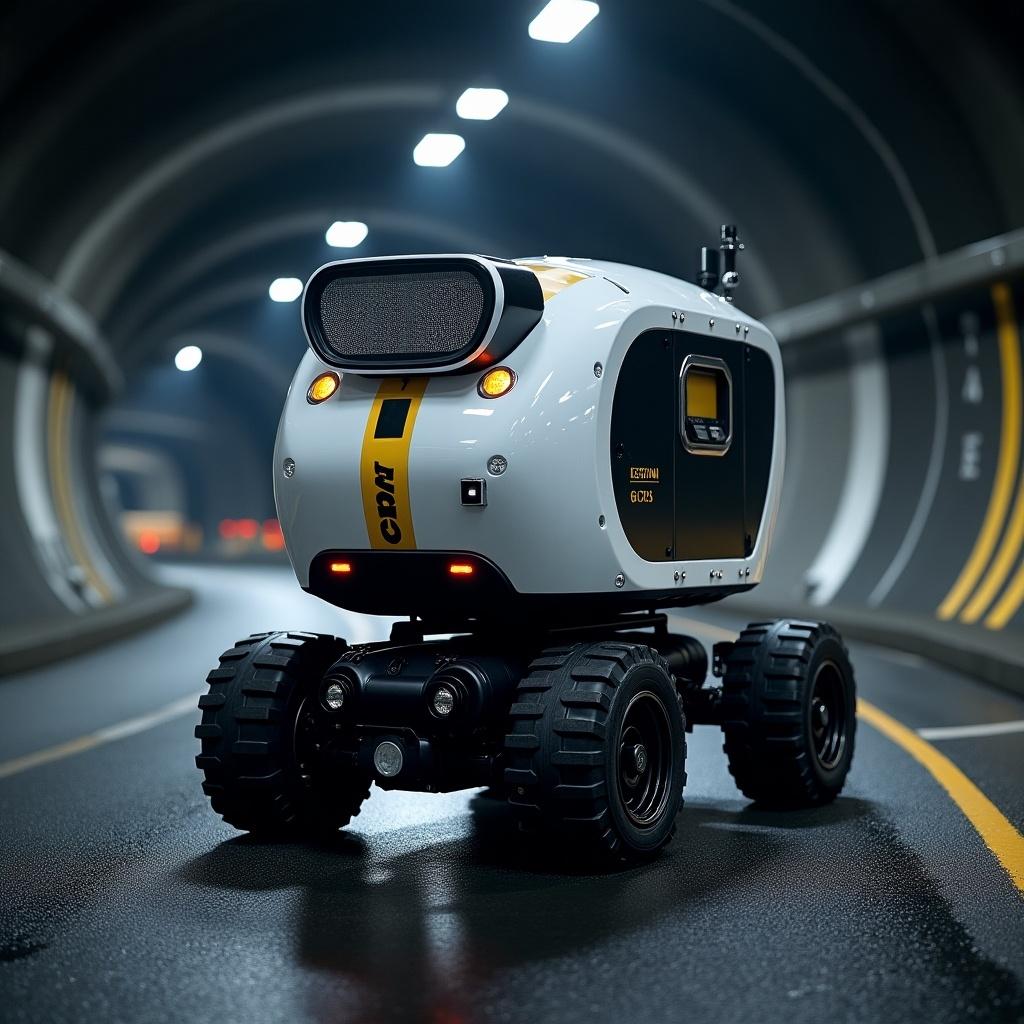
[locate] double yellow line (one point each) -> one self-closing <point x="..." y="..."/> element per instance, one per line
<point x="1002" y="529"/>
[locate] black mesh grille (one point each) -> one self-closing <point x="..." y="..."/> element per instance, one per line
<point x="374" y="316"/>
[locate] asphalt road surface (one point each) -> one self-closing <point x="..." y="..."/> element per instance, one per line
<point x="124" y="898"/>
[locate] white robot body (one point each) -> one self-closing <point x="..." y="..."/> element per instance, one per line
<point x="564" y="491"/>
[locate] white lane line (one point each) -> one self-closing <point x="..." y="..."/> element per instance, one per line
<point x="958" y="732"/>
<point x="96" y="739"/>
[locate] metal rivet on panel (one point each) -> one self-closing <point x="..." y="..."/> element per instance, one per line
<point x="620" y="580"/>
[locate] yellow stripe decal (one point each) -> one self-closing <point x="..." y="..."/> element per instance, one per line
<point x="997" y="833"/>
<point x="1009" y="455"/>
<point x="384" y="463"/>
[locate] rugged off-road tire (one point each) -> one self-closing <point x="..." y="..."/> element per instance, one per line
<point x="571" y="750"/>
<point x="789" y="713"/>
<point x="252" y="744"/>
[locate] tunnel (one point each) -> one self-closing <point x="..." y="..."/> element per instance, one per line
<point x="167" y="176"/>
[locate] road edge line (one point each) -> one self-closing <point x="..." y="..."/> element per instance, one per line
<point x="997" y="833"/>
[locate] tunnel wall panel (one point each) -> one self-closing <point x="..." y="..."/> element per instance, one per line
<point x="946" y="544"/>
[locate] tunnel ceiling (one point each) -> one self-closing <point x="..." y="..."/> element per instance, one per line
<point x="164" y="162"/>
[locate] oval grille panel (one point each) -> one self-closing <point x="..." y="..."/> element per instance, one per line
<point x="386" y="315"/>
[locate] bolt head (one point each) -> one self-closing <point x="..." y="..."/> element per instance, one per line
<point x="387" y="759"/>
<point x="288" y="468"/>
<point x="620" y="580"/>
<point x="598" y="370"/>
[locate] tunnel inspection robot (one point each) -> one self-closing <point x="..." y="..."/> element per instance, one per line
<point x="528" y="462"/>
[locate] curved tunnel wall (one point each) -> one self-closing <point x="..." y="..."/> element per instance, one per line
<point x="69" y="581"/>
<point x="905" y="489"/>
<point x="632" y="144"/>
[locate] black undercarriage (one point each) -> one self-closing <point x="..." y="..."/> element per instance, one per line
<point x="582" y="728"/>
<point x="388" y="691"/>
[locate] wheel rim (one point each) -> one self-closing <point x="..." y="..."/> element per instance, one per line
<point x="645" y="759"/>
<point x="829" y="715"/>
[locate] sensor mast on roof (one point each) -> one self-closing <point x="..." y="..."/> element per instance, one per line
<point x="710" y="261"/>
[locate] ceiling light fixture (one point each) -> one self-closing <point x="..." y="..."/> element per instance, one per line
<point x="188" y="358"/>
<point x="561" y="21"/>
<point x="438" y="149"/>
<point x="481" y="104"/>
<point x="346" y="234"/>
<point x="285" y="289"/>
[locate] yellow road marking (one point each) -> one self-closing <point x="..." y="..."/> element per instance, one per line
<point x="384" y="469"/>
<point x="96" y="739"/>
<point x="1009" y="549"/>
<point x="1005" y="842"/>
<point x="1006" y="465"/>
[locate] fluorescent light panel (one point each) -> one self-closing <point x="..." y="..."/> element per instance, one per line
<point x="438" y="149"/>
<point x="481" y="104"/>
<point x="346" y="234"/>
<point x="562" y="20"/>
<point x="285" y="289"/>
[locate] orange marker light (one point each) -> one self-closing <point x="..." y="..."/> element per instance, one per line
<point x="323" y="387"/>
<point x="460" y="569"/>
<point x="340" y="568"/>
<point x="497" y="382"/>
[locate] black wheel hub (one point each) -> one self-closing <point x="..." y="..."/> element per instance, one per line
<point x="645" y="759"/>
<point x="829" y="716"/>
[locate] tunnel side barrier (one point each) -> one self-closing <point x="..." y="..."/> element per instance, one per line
<point x="69" y="582"/>
<point x="903" y="510"/>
